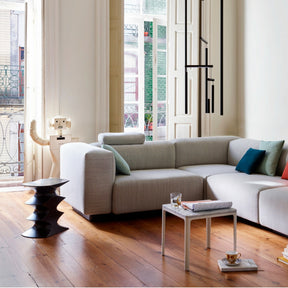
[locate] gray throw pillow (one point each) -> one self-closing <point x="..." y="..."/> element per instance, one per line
<point x="270" y="161"/>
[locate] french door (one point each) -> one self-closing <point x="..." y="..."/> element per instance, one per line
<point x="145" y="53"/>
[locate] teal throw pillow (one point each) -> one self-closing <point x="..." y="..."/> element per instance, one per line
<point x="122" y="166"/>
<point x="270" y="161"/>
<point x="251" y="159"/>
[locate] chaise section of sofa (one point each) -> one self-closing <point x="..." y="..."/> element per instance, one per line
<point x="257" y="197"/>
<point x="273" y="209"/>
<point x="243" y="190"/>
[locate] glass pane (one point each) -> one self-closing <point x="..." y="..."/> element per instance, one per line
<point x="148" y="31"/>
<point x="131" y="62"/>
<point x="161" y="37"/>
<point x="156" y="7"/>
<point x="132" y="7"/>
<point x="161" y="88"/>
<point x="161" y="115"/>
<point x="148" y="125"/>
<point x="131" y="116"/>
<point x="161" y="121"/>
<point x="130" y="36"/>
<point x="161" y="64"/>
<point x="148" y="64"/>
<point x="130" y="89"/>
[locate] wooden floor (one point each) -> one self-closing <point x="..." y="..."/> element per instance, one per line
<point x="125" y="251"/>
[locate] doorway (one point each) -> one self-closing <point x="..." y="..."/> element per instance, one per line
<point x="145" y="77"/>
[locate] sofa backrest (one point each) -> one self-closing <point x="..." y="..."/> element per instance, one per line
<point x="283" y="160"/>
<point x="150" y="155"/>
<point x="238" y="147"/>
<point x="121" y="138"/>
<point x="203" y="150"/>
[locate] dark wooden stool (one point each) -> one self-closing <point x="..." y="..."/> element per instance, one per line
<point x="45" y="214"/>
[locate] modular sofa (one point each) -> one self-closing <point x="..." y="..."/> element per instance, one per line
<point x="199" y="168"/>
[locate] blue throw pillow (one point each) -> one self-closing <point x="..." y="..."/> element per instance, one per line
<point x="250" y="161"/>
<point x="122" y="166"/>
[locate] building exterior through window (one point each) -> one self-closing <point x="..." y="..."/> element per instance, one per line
<point x="12" y="35"/>
<point x="145" y="54"/>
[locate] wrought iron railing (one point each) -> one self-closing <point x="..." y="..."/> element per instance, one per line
<point x="131" y="117"/>
<point x="11" y="85"/>
<point x="11" y="141"/>
<point x="11" y="121"/>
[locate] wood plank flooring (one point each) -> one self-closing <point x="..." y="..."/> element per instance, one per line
<point x="125" y="251"/>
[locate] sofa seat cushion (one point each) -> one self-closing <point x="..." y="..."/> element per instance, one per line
<point x="209" y="169"/>
<point x="273" y="209"/>
<point x="243" y="190"/>
<point x="145" y="190"/>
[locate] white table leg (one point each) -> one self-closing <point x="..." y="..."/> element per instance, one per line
<point x="187" y="224"/>
<point x="208" y="232"/>
<point x="235" y="231"/>
<point x="163" y="231"/>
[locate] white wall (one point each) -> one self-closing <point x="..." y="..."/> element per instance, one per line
<point x="77" y="64"/>
<point x="76" y="67"/>
<point x="263" y="69"/>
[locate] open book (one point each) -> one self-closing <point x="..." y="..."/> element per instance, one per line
<point x="202" y="205"/>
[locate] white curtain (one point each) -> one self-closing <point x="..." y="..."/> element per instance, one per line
<point x="34" y="92"/>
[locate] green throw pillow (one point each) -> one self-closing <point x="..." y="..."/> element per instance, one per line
<point x="122" y="166"/>
<point x="269" y="163"/>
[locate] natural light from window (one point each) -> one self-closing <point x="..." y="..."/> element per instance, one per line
<point x="12" y="35"/>
<point x="145" y="78"/>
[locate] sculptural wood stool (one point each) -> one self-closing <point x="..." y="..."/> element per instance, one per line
<point x="45" y="214"/>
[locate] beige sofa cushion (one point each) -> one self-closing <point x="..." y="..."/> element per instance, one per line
<point x="209" y="169"/>
<point x="273" y="209"/>
<point x="150" y="155"/>
<point x="204" y="150"/>
<point x="243" y="190"/>
<point x="127" y="138"/>
<point x="146" y="190"/>
<point x="237" y="148"/>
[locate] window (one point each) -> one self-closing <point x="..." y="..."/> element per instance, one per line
<point x="145" y="79"/>
<point x="12" y="31"/>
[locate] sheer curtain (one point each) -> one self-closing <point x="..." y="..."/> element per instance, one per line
<point x="34" y="92"/>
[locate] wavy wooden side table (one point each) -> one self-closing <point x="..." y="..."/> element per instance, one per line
<point x="45" y="214"/>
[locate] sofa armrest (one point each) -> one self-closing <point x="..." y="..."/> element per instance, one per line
<point x="91" y="174"/>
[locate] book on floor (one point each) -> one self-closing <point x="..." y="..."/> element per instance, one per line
<point x="202" y="205"/>
<point x="284" y="257"/>
<point x="244" y="265"/>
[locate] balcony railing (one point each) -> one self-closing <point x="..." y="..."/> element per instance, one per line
<point x="11" y="85"/>
<point x="11" y="121"/>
